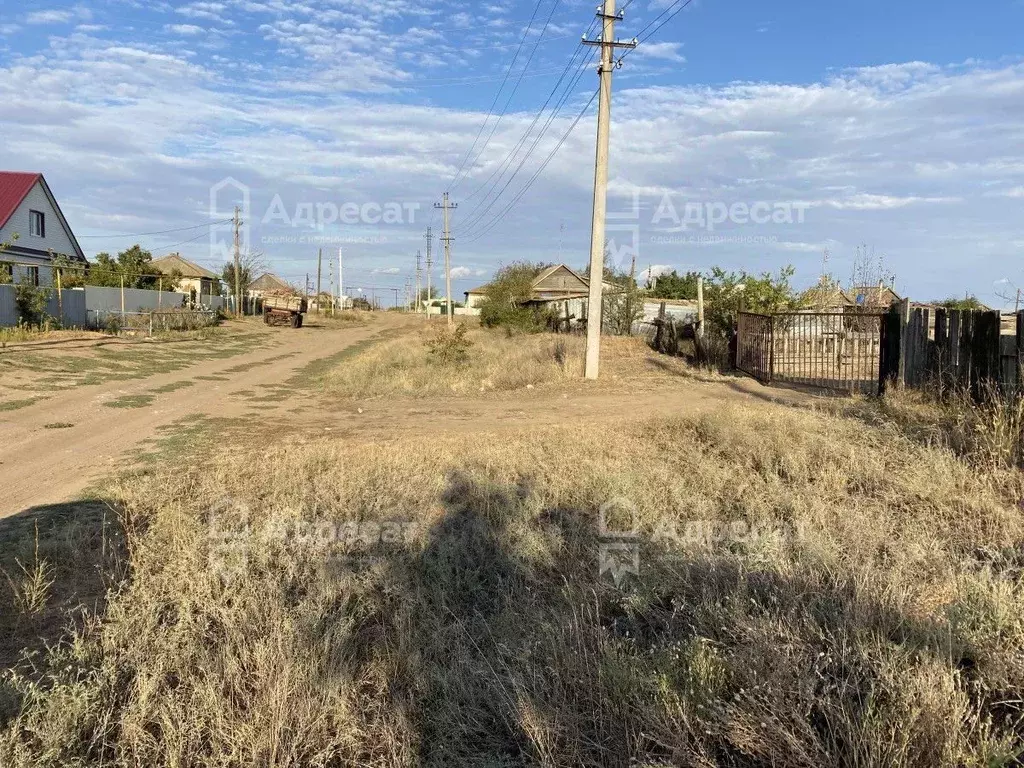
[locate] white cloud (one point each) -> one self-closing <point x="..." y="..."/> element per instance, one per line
<point x="184" y="29"/>
<point x="662" y="51"/>
<point x="58" y="16"/>
<point x="132" y="134"/>
<point x="460" y="272"/>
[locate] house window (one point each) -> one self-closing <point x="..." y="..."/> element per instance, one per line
<point x="32" y="275"/>
<point x="37" y="223"/>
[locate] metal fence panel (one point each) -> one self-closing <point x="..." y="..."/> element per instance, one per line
<point x="135" y="299"/>
<point x="8" y="307"/>
<point x="70" y="307"/>
<point x="831" y="350"/>
<point x="754" y="345"/>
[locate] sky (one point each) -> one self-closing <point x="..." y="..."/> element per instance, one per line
<point x="882" y="138"/>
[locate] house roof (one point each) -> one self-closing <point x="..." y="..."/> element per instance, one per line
<point x="14" y="187"/>
<point x="269" y="282"/>
<point x="873" y="295"/>
<point x="174" y="262"/>
<point x="541" y="276"/>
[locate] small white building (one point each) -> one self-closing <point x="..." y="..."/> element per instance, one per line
<point x="33" y="229"/>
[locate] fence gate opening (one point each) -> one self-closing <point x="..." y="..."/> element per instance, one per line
<point x="831" y="350"/>
<point x="754" y="346"/>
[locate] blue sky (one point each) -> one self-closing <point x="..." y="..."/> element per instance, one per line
<point x="893" y="128"/>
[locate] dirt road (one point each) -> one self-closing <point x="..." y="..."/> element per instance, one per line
<point x="52" y="450"/>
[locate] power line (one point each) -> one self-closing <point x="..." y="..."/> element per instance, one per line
<point x="536" y="174"/>
<point x="481" y="211"/>
<point x="643" y="39"/>
<point x="497" y="96"/>
<point x="503" y="166"/>
<point x="515" y="89"/>
<point x="163" y="232"/>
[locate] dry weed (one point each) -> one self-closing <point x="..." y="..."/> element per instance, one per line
<point x="812" y="591"/>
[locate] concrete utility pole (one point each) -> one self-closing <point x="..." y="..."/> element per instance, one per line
<point x="341" y="282"/>
<point x="416" y="304"/>
<point x="396" y="297"/>
<point x="330" y="284"/>
<point x="447" y="240"/>
<point x="430" y="268"/>
<point x="597" y="233"/>
<point x="238" y="260"/>
<point x="319" y="267"/>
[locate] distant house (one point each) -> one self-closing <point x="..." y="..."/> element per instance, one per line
<point x="555" y="285"/>
<point x="193" y="280"/>
<point x="268" y="284"/>
<point x="879" y="296"/>
<point x="29" y="211"/>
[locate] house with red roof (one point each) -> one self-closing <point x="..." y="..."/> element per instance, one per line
<point x="33" y="228"/>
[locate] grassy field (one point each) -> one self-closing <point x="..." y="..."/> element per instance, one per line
<point x="813" y="587"/>
<point x="494" y="362"/>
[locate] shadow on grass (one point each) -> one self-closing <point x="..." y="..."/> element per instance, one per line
<point x="56" y="562"/>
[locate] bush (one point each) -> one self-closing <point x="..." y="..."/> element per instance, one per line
<point x="31" y="303"/>
<point x="450" y="347"/>
<point x="112" y="324"/>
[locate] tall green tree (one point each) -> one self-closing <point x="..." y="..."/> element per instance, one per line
<point x="674" y="286"/>
<point x="133" y="264"/>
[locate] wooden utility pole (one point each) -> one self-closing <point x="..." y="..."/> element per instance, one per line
<point x="238" y="260"/>
<point x="430" y="268"/>
<point x="597" y="233"/>
<point x="319" y="267"/>
<point x="447" y="240"/>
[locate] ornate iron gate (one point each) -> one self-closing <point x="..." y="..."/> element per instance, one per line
<point x="830" y="350"/>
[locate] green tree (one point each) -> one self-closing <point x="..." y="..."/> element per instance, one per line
<point x="506" y="295"/>
<point x="132" y="264"/>
<point x="966" y="303"/>
<point x="674" y="286"/>
<point x="71" y="273"/>
<point x="726" y="292"/>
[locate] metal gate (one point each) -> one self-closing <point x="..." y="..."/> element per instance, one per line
<point x="830" y="350"/>
<point x="754" y="345"/>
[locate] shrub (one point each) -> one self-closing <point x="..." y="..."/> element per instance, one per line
<point x="450" y="347"/>
<point x="31" y="303"/>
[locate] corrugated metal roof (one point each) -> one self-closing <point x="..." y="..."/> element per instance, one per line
<point x="14" y="186"/>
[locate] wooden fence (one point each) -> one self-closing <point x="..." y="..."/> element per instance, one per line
<point x="950" y="349"/>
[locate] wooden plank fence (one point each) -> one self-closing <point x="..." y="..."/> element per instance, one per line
<point x="950" y="349"/>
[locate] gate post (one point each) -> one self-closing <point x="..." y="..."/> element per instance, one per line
<point x="771" y="350"/>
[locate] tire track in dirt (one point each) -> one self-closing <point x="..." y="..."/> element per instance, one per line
<point x="54" y="449"/>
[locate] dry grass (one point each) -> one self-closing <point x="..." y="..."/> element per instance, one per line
<point x="874" y="617"/>
<point x="988" y="434"/>
<point x="496" y="363"/>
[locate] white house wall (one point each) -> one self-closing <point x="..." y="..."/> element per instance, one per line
<point x="56" y="238"/>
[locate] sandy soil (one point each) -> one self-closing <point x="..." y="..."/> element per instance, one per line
<point x="44" y="462"/>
